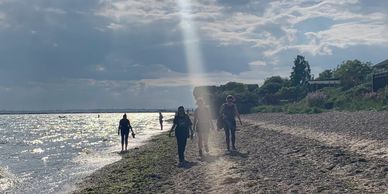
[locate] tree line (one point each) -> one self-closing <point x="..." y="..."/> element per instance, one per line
<point x="293" y="94"/>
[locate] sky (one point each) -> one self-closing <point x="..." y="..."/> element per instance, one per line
<point x="90" y="54"/>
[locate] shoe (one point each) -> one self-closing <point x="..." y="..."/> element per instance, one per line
<point x="181" y="164"/>
<point x="234" y="148"/>
<point x="200" y="153"/>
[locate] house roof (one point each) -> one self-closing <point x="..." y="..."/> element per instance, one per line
<point x="324" y="82"/>
<point x="381" y="65"/>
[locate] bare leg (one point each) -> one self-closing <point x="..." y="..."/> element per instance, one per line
<point x="206" y="141"/>
<point x="200" y="143"/>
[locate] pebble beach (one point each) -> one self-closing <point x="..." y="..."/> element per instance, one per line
<point x="333" y="152"/>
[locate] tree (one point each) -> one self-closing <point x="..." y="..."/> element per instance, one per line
<point x="352" y="73"/>
<point x="301" y="72"/>
<point x="325" y="75"/>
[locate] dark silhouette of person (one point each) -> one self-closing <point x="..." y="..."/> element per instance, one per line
<point x="183" y="130"/>
<point x="124" y="128"/>
<point x="161" y="120"/>
<point x="202" y="125"/>
<point x="228" y="112"/>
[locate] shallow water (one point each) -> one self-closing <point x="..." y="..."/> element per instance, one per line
<point x="46" y="153"/>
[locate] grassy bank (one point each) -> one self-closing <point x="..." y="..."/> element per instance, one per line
<point x="143" y="170"/>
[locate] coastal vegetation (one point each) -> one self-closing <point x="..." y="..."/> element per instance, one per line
<point x="295" y="94"/>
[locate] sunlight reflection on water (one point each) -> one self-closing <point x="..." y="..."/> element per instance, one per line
<point x="44" y="153"/>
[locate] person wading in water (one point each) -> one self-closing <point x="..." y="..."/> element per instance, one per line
<point x="183" y="130"/>
<point x="228" y="112"/>
<point x="202" y="125"/>
<point x="124" y="127"/>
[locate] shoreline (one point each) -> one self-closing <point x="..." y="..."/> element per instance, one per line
<point x="277" y="154"/>
<point x="140" y="169"/>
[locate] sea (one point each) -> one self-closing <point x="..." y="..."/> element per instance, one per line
<point x="50" y="153"/>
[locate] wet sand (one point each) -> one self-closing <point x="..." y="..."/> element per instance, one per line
<point x="336" y="152"/>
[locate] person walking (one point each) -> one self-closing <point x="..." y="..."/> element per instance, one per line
<point x="124" y="127"/>
<point x="228" y="112"/>
<point x="183" y="130"/>
<point x="202" y="125"/>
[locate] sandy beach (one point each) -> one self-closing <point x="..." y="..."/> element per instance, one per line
<point x="334" y="152"/>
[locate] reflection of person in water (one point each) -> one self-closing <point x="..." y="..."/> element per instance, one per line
<point x="228" y="112"/>
<point x="124" y="128"/>
<point x="183" y="130"/>
<point x="202" y="125"/>
<point x="161" y="120"/>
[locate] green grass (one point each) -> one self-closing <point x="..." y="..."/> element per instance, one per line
<point x="354" y="99"/>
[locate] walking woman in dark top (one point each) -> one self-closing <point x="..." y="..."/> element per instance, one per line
<point x="202" y="125"/>
<point x="228" y="112"/>
<point x="183" y="130"/>
<point x="124" y="128"/>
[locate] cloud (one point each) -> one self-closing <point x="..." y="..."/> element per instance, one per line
<point x="97" y="53"/>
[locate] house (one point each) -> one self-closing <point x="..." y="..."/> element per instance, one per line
<point x="380" y="75"/>
<point x="318" y="84"/>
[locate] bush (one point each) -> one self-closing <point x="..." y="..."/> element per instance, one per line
<point x="316" y="99"/>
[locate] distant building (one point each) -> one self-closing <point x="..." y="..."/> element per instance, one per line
<point x="380" y="75"/>
<point x="318" y="84"/>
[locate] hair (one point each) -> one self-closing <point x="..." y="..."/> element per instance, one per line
<point x="125" y="116"/>
<point x="180" y="108"/>
<point x="230" y="97"/>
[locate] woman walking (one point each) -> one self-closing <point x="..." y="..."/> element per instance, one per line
<point x="183" y="130"/>
<point x="202" y="125"/>
<point x="228" y="112"/>
<point x="124" y="127"/>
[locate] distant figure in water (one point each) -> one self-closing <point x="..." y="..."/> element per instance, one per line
<point x="161" y="120"/>
<point x="124" y="128"/>
<point x="202" y="125"/>
<point x="183" y="130"/>
<point x="98" y="116"/>
<point x="228" y="112"/>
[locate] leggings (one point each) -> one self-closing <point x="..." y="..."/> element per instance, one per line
<point x="181" y="141"/>
<point x="230" y="130"/>
<point x="124" y="137"/>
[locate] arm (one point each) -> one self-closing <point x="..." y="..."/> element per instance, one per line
<point x="210" y="119"/>
<point x="172" y="129"/>
<point x="130" y="127"/>
<point x="191" y="131"/>
<point x="195" y="119"/>
<point x="237" y="113"/>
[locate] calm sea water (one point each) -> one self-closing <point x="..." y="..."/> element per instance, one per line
<point x="44" y="153"/>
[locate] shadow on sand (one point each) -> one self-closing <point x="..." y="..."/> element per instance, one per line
<point x="209" y="158"/>
<point x="238" y="154"/>
<point x="187" y="164"/>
